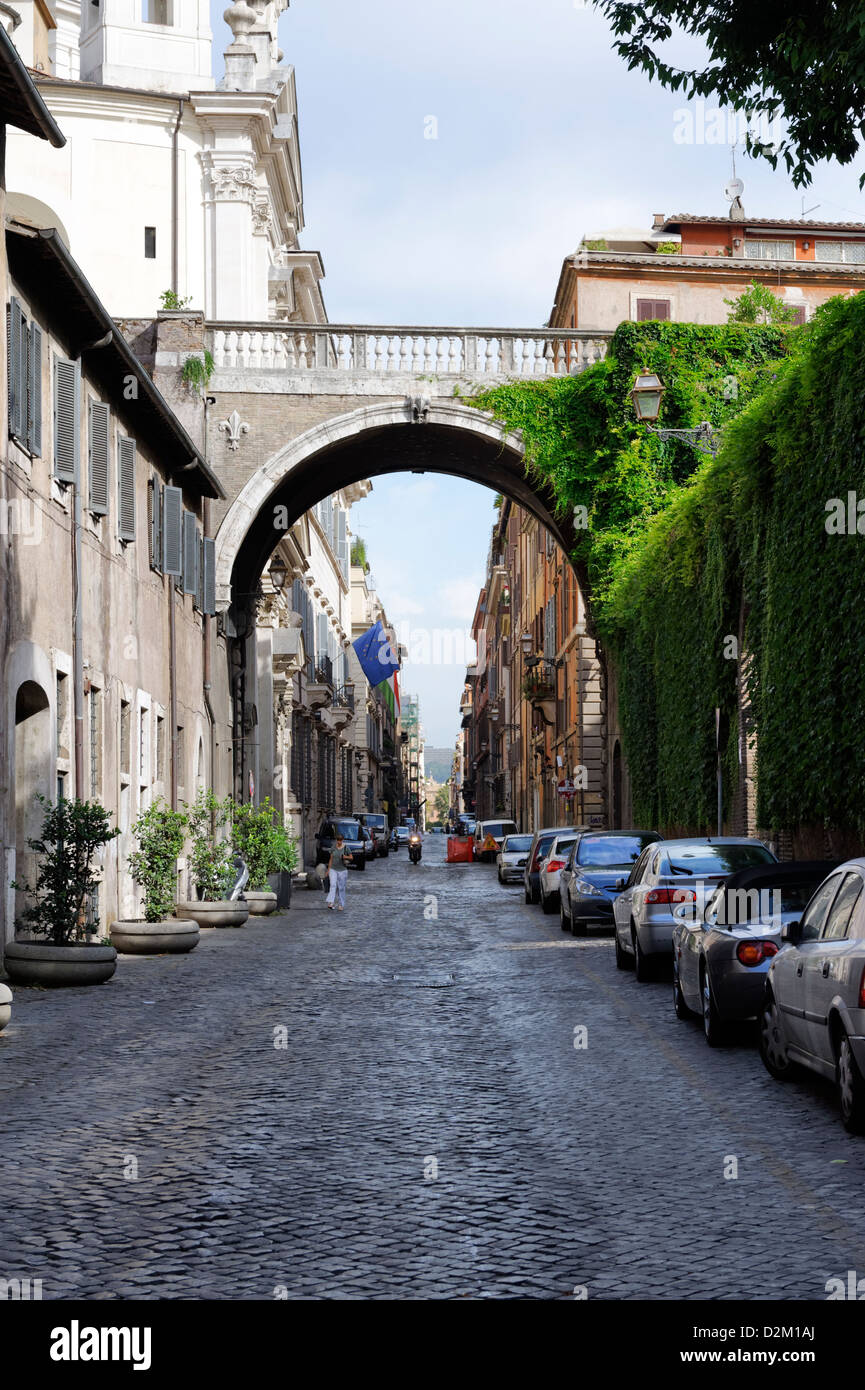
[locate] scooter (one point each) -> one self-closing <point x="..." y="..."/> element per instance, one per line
<point x="414" y="848"/>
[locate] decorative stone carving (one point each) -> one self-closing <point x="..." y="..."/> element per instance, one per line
<point x="240" y="19"/>
<point x="262" y="221"/>
<point x="234" y="427"/>
<point x="419" y="408"/>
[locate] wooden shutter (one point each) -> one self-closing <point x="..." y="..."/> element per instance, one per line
<point x="190" y="554"/>
<point x="34" y="389"/>
<point x="653" y="309"/>
<point x="67" y="411"/>
<point x="98" y="458"/>
<point x="172" y="548"/>
<point x="17" y="348"/>
<point x="208" y="576"/>
<point x="126" y="488"/>
<point x="155" y="507"/>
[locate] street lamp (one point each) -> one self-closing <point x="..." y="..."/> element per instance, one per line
<point x="527" y="642"/>
<point x="647" y="395"/>
<point x="278" y="573"/>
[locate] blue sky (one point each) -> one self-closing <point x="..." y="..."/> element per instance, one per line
<point x="543" y="135"/>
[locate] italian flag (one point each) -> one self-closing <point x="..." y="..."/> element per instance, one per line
<point x="391" y="694"/>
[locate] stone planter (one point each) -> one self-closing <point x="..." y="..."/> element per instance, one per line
<point x="227" y="913"/>
<point x="39" y="963"/>
<point x="154" y="938"/>
<point x="260" y="902"/>
<point x="5" y="1006"/>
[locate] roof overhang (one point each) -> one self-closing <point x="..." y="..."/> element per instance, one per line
<point x="20" y="103"/>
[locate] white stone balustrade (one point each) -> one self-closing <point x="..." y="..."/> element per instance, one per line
<point x="386" y="351"/>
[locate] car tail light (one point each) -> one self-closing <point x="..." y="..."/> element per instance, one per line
<point x="554" y="865"/>
<point x="755" y="952"/>
<point x="862" y="991"/>
<point x="671" y="895"/>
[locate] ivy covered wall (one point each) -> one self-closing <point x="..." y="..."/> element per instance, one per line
<point x="689" y="557"/>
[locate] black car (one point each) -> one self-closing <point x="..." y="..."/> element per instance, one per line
<point x="597" y="862"/>
<point x="351" y="832"/>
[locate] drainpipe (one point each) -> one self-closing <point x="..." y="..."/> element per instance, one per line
<point x="172" y="686"/>
<point x="175" y="196"/>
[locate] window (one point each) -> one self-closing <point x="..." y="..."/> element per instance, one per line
<point x="842" y="909"/>
<point x="126" y="488"/>
<point x="850" y="252"/>
<point x="125" y="734"/>
<point x="652" y="309"/>
<point x="800" y="314"/>
<point x="67" y="414"/>
<point x="62" y="715"/>
<point x="181" y="757"/>
<point x="150" y="243"/>
<point x="97" y="457"/>
<point x="770" y="250"/>
<point x="159" y="769"/>
<point x="95" y="711"/>
<point x="24" y="378"/>
<point x="815" y="916"/>
<point x="156" y="11"/>
<point x="154" y="508"/>
<point x="190" y="554"/>
<point x="172" y="531"/>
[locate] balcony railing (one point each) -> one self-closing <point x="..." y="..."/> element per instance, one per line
<point x="392" y="351"/>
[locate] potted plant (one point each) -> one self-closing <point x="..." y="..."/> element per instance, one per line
<point x="266" y="848"/>
<point x="210" y="864"/>
<point x="56" y="951"/>
<point x="538" y="685"/>
<point x="159" y="833"/>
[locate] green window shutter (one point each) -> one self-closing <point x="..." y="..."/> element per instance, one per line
<point x="97" y="499"/>
<point x="34" y="390"/>
<point x="67" y="413"/>
<point x="154" y="496"/>
<point x="126" y="488"/>
<point x="190" y="554"/>
<point x="172" y="548"/>
<point x="208" y="575"/>
<point x="17" y="347"/>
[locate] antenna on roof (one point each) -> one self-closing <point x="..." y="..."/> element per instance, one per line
<point x="733" y="191"/>
<point x="805" y="210"/>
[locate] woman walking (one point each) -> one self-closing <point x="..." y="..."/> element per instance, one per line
<point x="338" y="866"/>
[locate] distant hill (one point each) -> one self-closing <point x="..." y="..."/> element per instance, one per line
<point x="438" y="762"/>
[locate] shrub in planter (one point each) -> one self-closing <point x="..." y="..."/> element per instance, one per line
<point x="57" y="951"/>
<point x="211" y="864"/>
<point x="267" y="848"/>
<point x="159" y="833"/>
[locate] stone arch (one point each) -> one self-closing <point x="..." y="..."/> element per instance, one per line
<point x="442" y="436"/>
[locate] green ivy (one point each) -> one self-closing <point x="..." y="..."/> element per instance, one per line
<point x="686" y="555"/>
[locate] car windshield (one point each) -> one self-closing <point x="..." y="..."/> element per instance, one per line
<point x="497" y="828"/>
<point x="717" y="859"/>
<point x="562" y="846"/>
<point x="348" y="829"/>
<point x="517" y="844"/>
<point x="543" y="846"/>
<point x="611" y="851"/>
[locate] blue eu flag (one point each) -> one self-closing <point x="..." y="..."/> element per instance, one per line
<point x="375" y="654"/>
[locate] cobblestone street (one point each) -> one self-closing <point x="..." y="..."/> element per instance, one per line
<point x="414" y="1044"/>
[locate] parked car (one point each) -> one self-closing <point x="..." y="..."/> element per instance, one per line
<point x="370" y="849"/>
<point x="595" y="864"/>
<point x="541" y="841"/>
<point x="495" y="830"/>
<point x="376" y="822"/>
<point x="721" y="957"/>
<point x="351" y="831"/>
<point x="511" y="858"/>
<point x="666" y="874"/>
<point x="813" y="1007"/>
<point x="549" y="869"/>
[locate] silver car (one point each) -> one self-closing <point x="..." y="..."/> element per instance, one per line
<point x="666" y="875"/>
<point x="550" y="868"/>
<point x="721" y="957"/>
<point x="813" y="1009"/>
<point x="511" y="858"/>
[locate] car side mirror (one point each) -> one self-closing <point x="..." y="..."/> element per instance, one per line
<point x="619" y="884"/>
<point x="791" y="932"/>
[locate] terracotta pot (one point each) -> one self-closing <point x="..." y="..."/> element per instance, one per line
<point x="5" y="1006"/>
<point x="40" y="963"/>
<point x="227" y="913"/>
<point x="154" y="938"/>
<point x="260" y="902"/>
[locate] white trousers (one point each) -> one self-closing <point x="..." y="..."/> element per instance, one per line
<point x="337" y="886"/>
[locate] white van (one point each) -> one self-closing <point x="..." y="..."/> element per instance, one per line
<point x="489" y="831"/>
